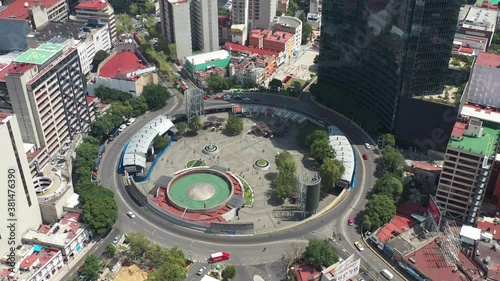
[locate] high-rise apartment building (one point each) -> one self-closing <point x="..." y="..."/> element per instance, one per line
<point x="17" y="194"/>
<point x="381" y="51"/>
<point x="46" y="88"/>
<point x="471" y="167"/>
<point x="98" y="11"/>
<point x="239" y="18"/>
<point x="261" y="12"/>
<point x="191" y="24"/>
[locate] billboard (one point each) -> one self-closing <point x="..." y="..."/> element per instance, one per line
<point x="350" y="270"/>
<point x="434" y="212"/>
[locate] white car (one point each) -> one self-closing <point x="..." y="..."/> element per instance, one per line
<point x="246" y="99"/>
<point x="117" y="238"/>
<point x="131" y="215"/>
<point x="367" y="145"/>
<point x="122" y="127"/>
<point x="200" y="272"/>
<point x="130" y="121"/>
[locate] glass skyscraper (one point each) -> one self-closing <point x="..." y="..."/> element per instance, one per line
<point x="382" y="50"/>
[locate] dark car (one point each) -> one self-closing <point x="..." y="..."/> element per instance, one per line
<point x="365" y="156"/>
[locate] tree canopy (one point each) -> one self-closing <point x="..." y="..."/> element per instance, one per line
<point x="110" y="250"/>
<point x="155" y="95"/>
<point x="285" y="162"/>
<point x="138" y="243"/>
<point x="321" y="149"/>
<point x="229" y="272"/>
<point x="275" y="84"/>
<point x="110" y="95"/>
<point x="101" y="211"/>
<point x="160" y="143"/>
<point x="99" y="57"/>
<point x="181" y="128"/>
<point x="218" y="82"/>
<point x="123" y="24"/>
<point x="330" y="171"/>
<point x="378" y="211"/>
<point x="394" y="161"/>
<point x="286" y="184"/>
<point x="92" y="268"/>
<point x="315" y="135"/>
<point x="168" y="271"/>
<point x="389" y="185"/>
<point x="389" y="140"/>
<point x="234" y="125"/>
<point x="320" y="253"/>
<point x="139" y="105"/>
<point x="303" y="133"/>
<point x="195" y="124"/>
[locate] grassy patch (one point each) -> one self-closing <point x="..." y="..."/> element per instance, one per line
<point x="247" y="191"/>
<point x="262" y="163"/>
<point x="195" y="163"/>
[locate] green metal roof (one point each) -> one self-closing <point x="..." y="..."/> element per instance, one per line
<point x="485" y="145"/>
<point x="39" y="55"/>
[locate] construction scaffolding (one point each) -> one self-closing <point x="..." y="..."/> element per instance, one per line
<point x="194" y="103"/>
<point x="450" y="244"/>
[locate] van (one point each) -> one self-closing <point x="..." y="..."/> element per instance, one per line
<point x="387" y="274"/>
<point x="122" y="127"/>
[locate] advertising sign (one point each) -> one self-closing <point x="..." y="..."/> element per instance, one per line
<point x="434" y="211"/>
<point x="349" y="271"/>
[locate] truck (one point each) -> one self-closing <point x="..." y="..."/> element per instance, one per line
<point x="219" y="256"/>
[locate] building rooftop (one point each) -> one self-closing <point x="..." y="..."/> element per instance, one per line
<point x="401" y="223"/>
<point x="93" y="5"/>
<point x="207" y="57"/>
<point x="287" y="21"/>
<point x="425" y="166"/>
<point x="30" y="258"/>
<point x="4" y="117"/>
<point x="67" y="29"/>
<point x="490" y="225"/>
<point x="224" y="21"/>
<point x="484" y="145"/>
<point x="176" y="2"/>
<point x="39" y="55"/>
<point x="343" y="151"/>
<point x="485" y="250"/>
<point x="120" y="65"/>
<point x="488" y="60"/>
<point x="279" y="36"/>
<point x="481" y="19"/>
<point x="58" y="234"/>
<point x="240" y="48"/>
<point x="18" y="9"/>
<point x="430" y="262"/>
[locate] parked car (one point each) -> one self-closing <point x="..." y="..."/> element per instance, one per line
<point x="365" y="156"/>
<point x="205" y="97"/>
<point x="350" y="221"/>
<point x="367" y="145"/>
<point x="200" y="272"/>
<point x="122" y="127"/>
<point x="131" y="214"/>
<point x="358" y="245"/>
<point x="80" y="268"/>
<point x="130" y="121"/>
<point x="117" y="238"/>
<point x="217" y="97"/>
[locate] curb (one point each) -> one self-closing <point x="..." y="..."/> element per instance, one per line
<point x="382" y="258"/>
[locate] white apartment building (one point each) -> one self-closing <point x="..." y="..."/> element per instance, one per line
<point x="176" y="25"/>
<point x="191" y="24"/>
<point x="19" y="193"/>
<point x="239" y="24"/>
<point x="86" y="38"/>
<point x="477" y="29"/>
<point x="204" y="25"/>
<point x="98" y="12"/>
<point x="46" y="88"/>
<point x="261" y="12"/>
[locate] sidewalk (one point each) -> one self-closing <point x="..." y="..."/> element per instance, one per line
<point x="76" y="261"/>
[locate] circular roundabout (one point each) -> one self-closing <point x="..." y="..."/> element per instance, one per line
<point x="199" y="190"/>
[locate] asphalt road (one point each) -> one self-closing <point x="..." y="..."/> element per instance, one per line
<point x="246" y="250"/>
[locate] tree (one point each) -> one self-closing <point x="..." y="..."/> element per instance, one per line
<point x="110" y="250"/>
<point x="306" y="32"/>
<point x="111" y="95"/>
<point x="100" y="212"/>
<point x="155" y="95"/>
<point x="181" y="128"/>
<point x="321" y="149"/>
<point x="286" y="184"/>
<point x="99" y="57"/>
<point x="303" y="133"/>
<point x="285" y="162"/>
<point x="159" y="143"/>
<point x="168" y="271"/>
<point x="229" y="272"/>
<point x="379" y="210"/>
<point x="218" y="82"/>
<point x="91" y="140"/>
<point x="320" y="253"/>
<point x="138" y="243"/>
<point x="394" y="161"/>
<point x="134" y="10"/>
<point x="157" y="254"/>
<point x="172" y="51"/>
<point x="223" y="11"/>
<point x="195" y="124"/>
<point x="318" y="134"/>
<point x="102" y="126"/>
<point x="389" y="140"/>
<point x="330" y="171"/>
<point x="123" y="24"/>
<point x="139" y="105"/>
<point x="149" y="7"/>
<point x="91" y="269"/>
<point x="275" y="84"/>
<point x="123" y="110"/>
<point x="389" y="185"/>
<point x="279" y="13"/>
<point x="234" y="125"/>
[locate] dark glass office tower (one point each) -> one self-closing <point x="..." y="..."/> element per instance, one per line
<point x="383" y="50"/>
